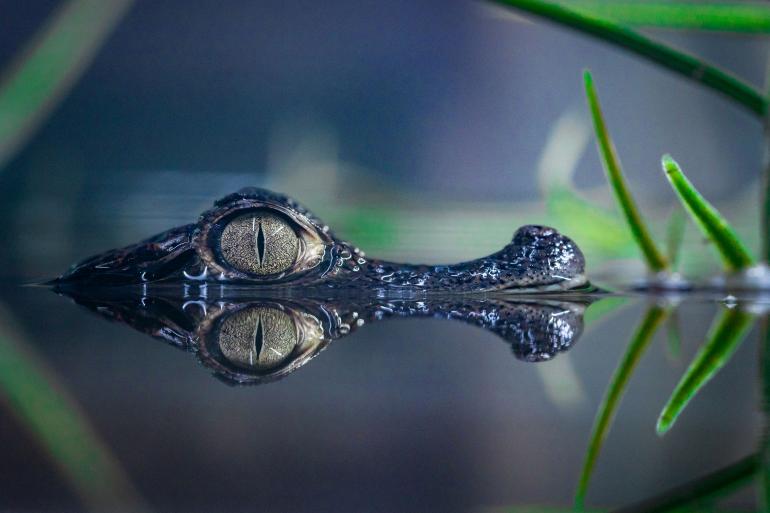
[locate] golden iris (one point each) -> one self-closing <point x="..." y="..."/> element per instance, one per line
<point x="259" y="243"/>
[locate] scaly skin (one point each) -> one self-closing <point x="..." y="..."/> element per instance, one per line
<point x="538" y="258"/>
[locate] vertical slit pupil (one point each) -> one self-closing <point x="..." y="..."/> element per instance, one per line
<point x="260" y="243"/>
<point x="258" y="339"/>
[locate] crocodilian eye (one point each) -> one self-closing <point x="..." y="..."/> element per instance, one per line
<point x="259" y="243"/>
<point x="258" y="338"/>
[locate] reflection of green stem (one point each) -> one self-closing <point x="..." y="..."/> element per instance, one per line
<point x="655" y="260"/>
<point x="639" y="342"/>
<point x="50" y="65"/>
<point x="673" y="339"/>
<point x="722" y="341"/>
<point x="54" y="418"/>
<point x="716" y="16"/>
<point x="707" y="488"/>
<point x="714" y="226"/>
<point x="764" y="449"/>
<point x="679" y="62"/>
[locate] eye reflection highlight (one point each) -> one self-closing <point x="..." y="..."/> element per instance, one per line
<point x="257" y="338"/>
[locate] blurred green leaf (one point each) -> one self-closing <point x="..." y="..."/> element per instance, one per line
<point x="723" y="339"/>
<point x="54" y="418"/>
<point x="714" y="226"/>
<point x="50" y="65"/>
<point x="675" y="236"/>
<point x="640" y="340"/>
<point x="655" y="261"/>
<point x="594" y="229"/>
<point x="686" y="65"/>
<point x="751" y="17"/>
<point x="601" y="309"/>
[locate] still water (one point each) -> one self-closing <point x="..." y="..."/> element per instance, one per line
<point x="217" y="401"/>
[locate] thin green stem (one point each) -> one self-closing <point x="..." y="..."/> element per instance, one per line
<point x="674" y="60"/>
<point x="722" y="341"/>
<point x="640" y="340"/>
<point x="653" y="257"/>
<point x="714" y="226"/>
<point x="714" y="16"/>
<point x="763" y="484"/>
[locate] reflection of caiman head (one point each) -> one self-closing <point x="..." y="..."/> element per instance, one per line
<point x="258" y="340"/>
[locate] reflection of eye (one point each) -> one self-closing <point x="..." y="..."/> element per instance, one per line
<point x="258" y="338"/>
<point x="259" y="243"/>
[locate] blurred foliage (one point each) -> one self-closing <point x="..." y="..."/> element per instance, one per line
<point x="49" y="66"/>
<point x="41" y="403"/>
<point x="675" y="227"/>
<point x="700" y="494"/>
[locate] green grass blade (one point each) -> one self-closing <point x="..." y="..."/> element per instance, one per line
<point x="714" y="226"/>
<point x="638" y="344"/>
<point x="655" y="260"/>
<point x="723" y="339"/>
<point x="674" y="60"/>
<point x="50" y="65"/>
<point x="690" y="496"/>
<point x="714" y="16"/>
<point x="43" y="406"/>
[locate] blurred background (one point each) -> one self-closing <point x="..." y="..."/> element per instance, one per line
<point x="413" y="128"/>
<point x="421" y="131"/>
